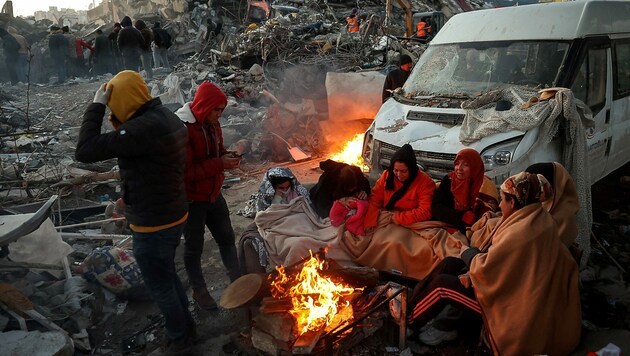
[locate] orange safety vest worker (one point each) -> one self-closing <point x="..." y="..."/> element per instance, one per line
<point x="421" y="31"/>
<point x="353" y="23"/>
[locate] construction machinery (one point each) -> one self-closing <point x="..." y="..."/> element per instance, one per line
<point x="412" y="19"/>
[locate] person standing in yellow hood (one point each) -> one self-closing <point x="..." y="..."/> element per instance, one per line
<point x="149" y="142"/>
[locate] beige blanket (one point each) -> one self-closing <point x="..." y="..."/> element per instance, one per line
<point x="527" y="285"/>
<point x="291" y="230"/>
<point x="411" y="250"/>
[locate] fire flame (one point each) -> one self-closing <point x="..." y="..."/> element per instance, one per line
<point x="316" y="299"/>
<point x="351" y="153"/>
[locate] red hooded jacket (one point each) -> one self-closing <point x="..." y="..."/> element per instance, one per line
<point x="204" y="167"/>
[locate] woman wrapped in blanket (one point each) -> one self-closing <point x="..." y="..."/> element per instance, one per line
<point x="279" y="186"/>
<point x="403" y="189"/>
<point x="465" y="193"/>
<point x="521" y="280"/>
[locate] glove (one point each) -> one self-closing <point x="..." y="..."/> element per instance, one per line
<point x="102" y="94"/>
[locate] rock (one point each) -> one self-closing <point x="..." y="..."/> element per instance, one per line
<point x="256" y="70"/>
<point x="18" y="342"/>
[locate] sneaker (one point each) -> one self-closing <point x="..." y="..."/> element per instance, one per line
<point x="433" y="336"/>
<point x="426" y="326"/>
<point x="204" y="299"/>
<point x="449" y="313"/>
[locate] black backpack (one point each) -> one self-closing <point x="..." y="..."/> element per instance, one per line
<point x="167" y="42"/>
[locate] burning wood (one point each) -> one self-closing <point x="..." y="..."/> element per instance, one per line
<point x="351" y="152"/>
<point x="315" y="299"/>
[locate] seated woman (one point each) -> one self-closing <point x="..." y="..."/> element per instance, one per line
<point x="564" y="205"/>
<point x="524" y="283"/>
<point x="403" y="189"/>
<point x="464" y="194"/>
<point x="279" y="186"/>
<point x="339" y="180"/>
<point x="399" y="236"/>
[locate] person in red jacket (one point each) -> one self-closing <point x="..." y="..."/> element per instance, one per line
<point x="206" y="160"/>
<point x="403" y="189"/>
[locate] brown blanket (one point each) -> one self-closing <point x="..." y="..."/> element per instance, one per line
<point x="291" y="230"/>
<point x="527" y="285"/>
<point x="412" y="250"/>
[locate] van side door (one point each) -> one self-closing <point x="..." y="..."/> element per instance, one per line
<point x="592" y="78"/>
<point x="619" y="146"/>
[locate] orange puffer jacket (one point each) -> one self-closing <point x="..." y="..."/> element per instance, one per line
<point x="413" y="207"/>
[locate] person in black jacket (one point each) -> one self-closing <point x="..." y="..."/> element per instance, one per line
<point x="147" y="35"/>
<point x="11" y="48"/>
<point x="150" y="144"/>
<point x="339" y="180"/>
<point x="130" y="42"/>
<point x="161" y="42"/>
<point x="58" y="47"/>
<point x="397" y="77"/>
<point x="113" y="41"/>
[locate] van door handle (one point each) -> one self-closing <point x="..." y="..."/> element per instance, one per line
<point x="607" y="116"/>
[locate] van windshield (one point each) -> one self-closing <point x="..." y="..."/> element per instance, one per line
<point x="468" y="68"/>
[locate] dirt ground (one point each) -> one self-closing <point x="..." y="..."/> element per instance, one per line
<point x="605" y="294"/>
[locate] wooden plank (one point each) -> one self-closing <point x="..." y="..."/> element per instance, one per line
<point x="88" y="223"/>
<point x="272" y="305"/>
<point x="79" y="236"/>
<point x="306" y="342"/>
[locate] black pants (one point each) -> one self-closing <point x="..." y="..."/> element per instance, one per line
<point x="216" y="217"/>
<point x="441" y="288"/>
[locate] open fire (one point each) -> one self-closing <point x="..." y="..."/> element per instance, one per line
<point x="351" y="152"/>
<point x="317" y="301"/>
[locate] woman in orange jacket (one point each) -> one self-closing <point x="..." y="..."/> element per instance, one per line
<point x="402" y="189"/>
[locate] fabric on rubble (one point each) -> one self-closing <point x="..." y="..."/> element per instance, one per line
<point x="483" y="120"/>
<point x="529" y="276"/>
<point x="14" y="298"/>
<point x="412" y="250"/>
<point x="291" y="230"/>
<point x="43" y="245"/>
<point x="114" y="269"/>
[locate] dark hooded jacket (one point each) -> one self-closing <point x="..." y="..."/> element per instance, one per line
<point x="330" y="186"/>
<point x="160" y="36"/>
<point x="130" y="40"/>
<point x="9" y="44"/>
<point x="147" y="35"/>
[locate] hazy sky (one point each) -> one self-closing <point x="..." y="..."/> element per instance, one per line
<point x="28" y="7"/>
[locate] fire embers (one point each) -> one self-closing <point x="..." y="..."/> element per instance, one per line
<point x="318" y="302"/>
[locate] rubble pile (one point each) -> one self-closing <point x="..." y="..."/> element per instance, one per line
<point x="275" y="74"/>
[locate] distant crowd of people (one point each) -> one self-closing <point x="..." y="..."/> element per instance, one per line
<point x="128" y="46"/>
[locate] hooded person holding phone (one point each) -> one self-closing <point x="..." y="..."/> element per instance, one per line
<point x="149" y="142"/>
<point x="206" y="160"/>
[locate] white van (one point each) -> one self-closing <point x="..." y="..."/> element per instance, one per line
<point x="581" y="45"/>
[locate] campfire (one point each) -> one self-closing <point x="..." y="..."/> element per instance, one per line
<point x="317" y="300"/>
<point x="351" y="152"/>
<point x="313" y="305"/>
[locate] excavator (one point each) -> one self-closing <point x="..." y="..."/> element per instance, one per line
<point x="412" y="19"/>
